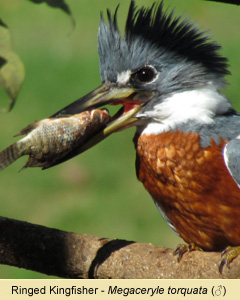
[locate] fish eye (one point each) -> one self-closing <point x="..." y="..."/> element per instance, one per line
<point x="144" y="75"/>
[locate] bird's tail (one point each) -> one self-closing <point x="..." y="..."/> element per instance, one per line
<point x="9" y="155"/>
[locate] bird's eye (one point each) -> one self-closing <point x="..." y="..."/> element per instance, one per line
<point x="144" y="75"/>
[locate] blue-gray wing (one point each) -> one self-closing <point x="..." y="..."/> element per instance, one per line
<point x="232" y="159"/>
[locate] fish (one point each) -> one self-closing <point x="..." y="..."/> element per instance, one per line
<point x="51" y="141"/>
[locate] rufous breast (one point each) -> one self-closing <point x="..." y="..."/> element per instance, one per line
<point x="193" y="187"/>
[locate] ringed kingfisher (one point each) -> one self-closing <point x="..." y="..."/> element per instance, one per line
<point x="167" y="75"/>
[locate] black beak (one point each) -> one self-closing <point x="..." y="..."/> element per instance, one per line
<point x="101" y="96"/>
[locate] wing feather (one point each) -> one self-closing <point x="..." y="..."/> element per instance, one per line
<point x="232" y="159"/>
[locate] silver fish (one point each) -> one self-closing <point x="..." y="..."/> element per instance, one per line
<point x="51" y="141"/>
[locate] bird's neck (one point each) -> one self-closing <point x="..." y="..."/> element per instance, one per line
<point x="200" y="105"/>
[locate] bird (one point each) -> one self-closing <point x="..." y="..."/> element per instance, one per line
<point x="168" y="75"/>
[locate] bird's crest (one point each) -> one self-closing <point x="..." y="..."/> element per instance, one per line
<point x="167" y="32"/>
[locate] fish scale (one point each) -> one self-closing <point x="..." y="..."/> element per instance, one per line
<point x="50" y="140"/>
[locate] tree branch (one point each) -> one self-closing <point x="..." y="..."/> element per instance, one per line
<point x="236" y="2"/>
<point x="72" y="255"/>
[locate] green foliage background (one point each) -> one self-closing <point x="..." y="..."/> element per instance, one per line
<point x="97" y="192"/>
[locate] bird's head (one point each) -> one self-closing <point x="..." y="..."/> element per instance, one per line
<point x="163" y="72"/>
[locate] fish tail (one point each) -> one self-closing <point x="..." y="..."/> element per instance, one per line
<point x="9" y="155"/>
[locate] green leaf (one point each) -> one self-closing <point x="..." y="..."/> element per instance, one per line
<point x="12" y="72"/>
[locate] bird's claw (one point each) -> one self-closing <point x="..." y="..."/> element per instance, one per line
<point x="227" y="257"/>
<point x="183" y="248"/>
